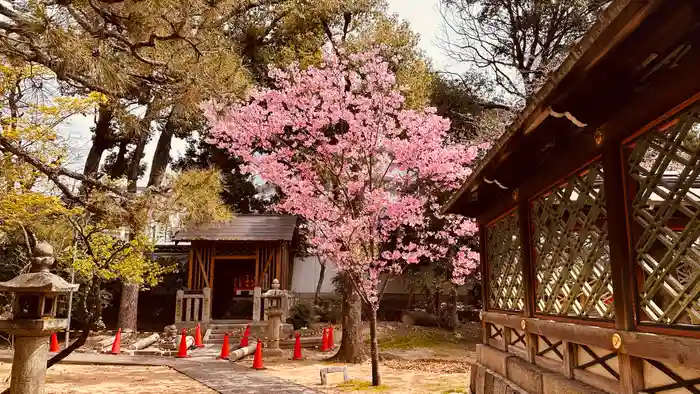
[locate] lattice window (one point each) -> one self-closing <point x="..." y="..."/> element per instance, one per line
<point x="503" y="254"/>
<point x="570" y="238"/>
<point x="664" y="167"/>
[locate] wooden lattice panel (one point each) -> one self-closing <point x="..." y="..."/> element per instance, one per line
<point x="597" y="361"/>
<point x="664" y="378"/>
<point x="570" y="238"/>
<point x="664" y="167"/>
<point x="503" y="254"/>
<point x="550" y="348"/>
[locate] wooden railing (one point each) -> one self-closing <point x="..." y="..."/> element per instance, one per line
<point x="561" y="347"/>
<point x="193" y="306"/>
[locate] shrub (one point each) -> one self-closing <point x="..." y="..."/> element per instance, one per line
<point x="301" y="315"/>
<point x="329" y="311"/>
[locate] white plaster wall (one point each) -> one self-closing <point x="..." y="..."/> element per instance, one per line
<point x="306" y="274"/>
<point x="307" y="270"/>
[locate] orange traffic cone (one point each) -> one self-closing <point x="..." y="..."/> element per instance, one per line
<point x="297" y="347"/>
<point x="331" y="341"/>
<point x="225" y="348"/>
<point x="198" y="336"/>
<point x="117" y="344"/>
<point x="182" y="352"/>
<point x="258" y="361"/>
<point x="244" y="338"/>
<point x="54" y="347"/>
<point x="324" y="340"/>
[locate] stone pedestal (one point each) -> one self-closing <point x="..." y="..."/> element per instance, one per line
<point x="29" y="365"/>
<point x="273" y="333"/>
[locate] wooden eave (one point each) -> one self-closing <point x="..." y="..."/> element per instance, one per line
<point x="616" y="80"/>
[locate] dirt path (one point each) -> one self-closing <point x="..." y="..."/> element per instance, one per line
<point x="94" y="379"/>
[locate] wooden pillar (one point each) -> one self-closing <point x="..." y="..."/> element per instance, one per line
<point x="190" y="267"/>
<point x="621" y="262"/>
<point x="528" y="267"/>
<point x="257" y="264"/>
<point x="484" y="281"/>
<point x="278" y="261"/>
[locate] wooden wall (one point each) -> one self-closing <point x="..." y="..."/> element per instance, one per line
<point x="272" y="260"/>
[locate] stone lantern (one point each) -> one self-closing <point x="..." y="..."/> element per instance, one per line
<point x="34" y="319"/>
<point x="274" y="313"/>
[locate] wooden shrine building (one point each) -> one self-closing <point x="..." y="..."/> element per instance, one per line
<point x="231" y="264"/>
<point x="589" y="210"/>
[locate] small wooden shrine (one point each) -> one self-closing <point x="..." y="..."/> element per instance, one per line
<point x="589" y="208"/>
<point x="230" y="264"/>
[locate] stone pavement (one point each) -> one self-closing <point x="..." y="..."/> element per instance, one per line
<point x="221" y="376"/>
<point x="230" y="378"/>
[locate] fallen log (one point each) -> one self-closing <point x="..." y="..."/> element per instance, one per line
<point x="419" y="318"/>
<point x="144" y="343"/>
<point x="242" y="352"/>
<point x="106" y="344"/>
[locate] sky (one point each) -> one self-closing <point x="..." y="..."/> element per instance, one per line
<point x="423" y="16"/>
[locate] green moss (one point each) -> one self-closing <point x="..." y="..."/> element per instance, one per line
<point x="362" y="385"/>
<point x="455" y="391"/>
<point x="414" y="340"/>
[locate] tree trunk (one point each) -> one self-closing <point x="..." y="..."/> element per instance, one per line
<point x="409" y="304"/>
<point x="100" y="143"/>
<point x="452" y="316"/>
<point x="128" y="307"/>
<point x="161" y="156"/>
<point x="351" y="347"/>
<point x="135" y="165"/>
<point x="321" y="276"/>
<point x="374" y="348"/>
<point x="119" y="168"/>
<point x="436" y="302"/>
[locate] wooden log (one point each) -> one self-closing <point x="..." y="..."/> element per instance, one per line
<point x="144" y="343"/>
<point x="107" y="342"/>
<point x="175" y="343"/>
<point x="242" y="352"/>
<point x="576" y="333"/>
<point x="664" y="348"/>
<point x="503" y="319"/>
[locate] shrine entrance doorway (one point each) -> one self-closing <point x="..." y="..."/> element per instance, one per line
<point x="232" y="290"/>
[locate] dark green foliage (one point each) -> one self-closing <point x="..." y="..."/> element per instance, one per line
<point x="329" y="310"/>
<point x="302" y="315"/>
<point x="240" y="192"/>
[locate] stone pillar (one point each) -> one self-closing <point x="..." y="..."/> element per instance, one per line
<point x="287" y="303"/>
<point x="179" y="296"/>
<point x="257" y="297"/>
<point x="29" y="365"/>
<point x="273" y="332"/>
<point x="266" y="307"/>
<point x="206" y="305"/>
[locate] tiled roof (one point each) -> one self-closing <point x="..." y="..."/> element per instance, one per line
<point x="243" y="228"/>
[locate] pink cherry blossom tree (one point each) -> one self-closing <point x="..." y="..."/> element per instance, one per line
<point x="362" y="170"/>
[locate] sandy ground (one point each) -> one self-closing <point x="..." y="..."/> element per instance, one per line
<point x="413" y="360"/>
<point x="93" y="379"/>
<point x="394" y="380"/>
